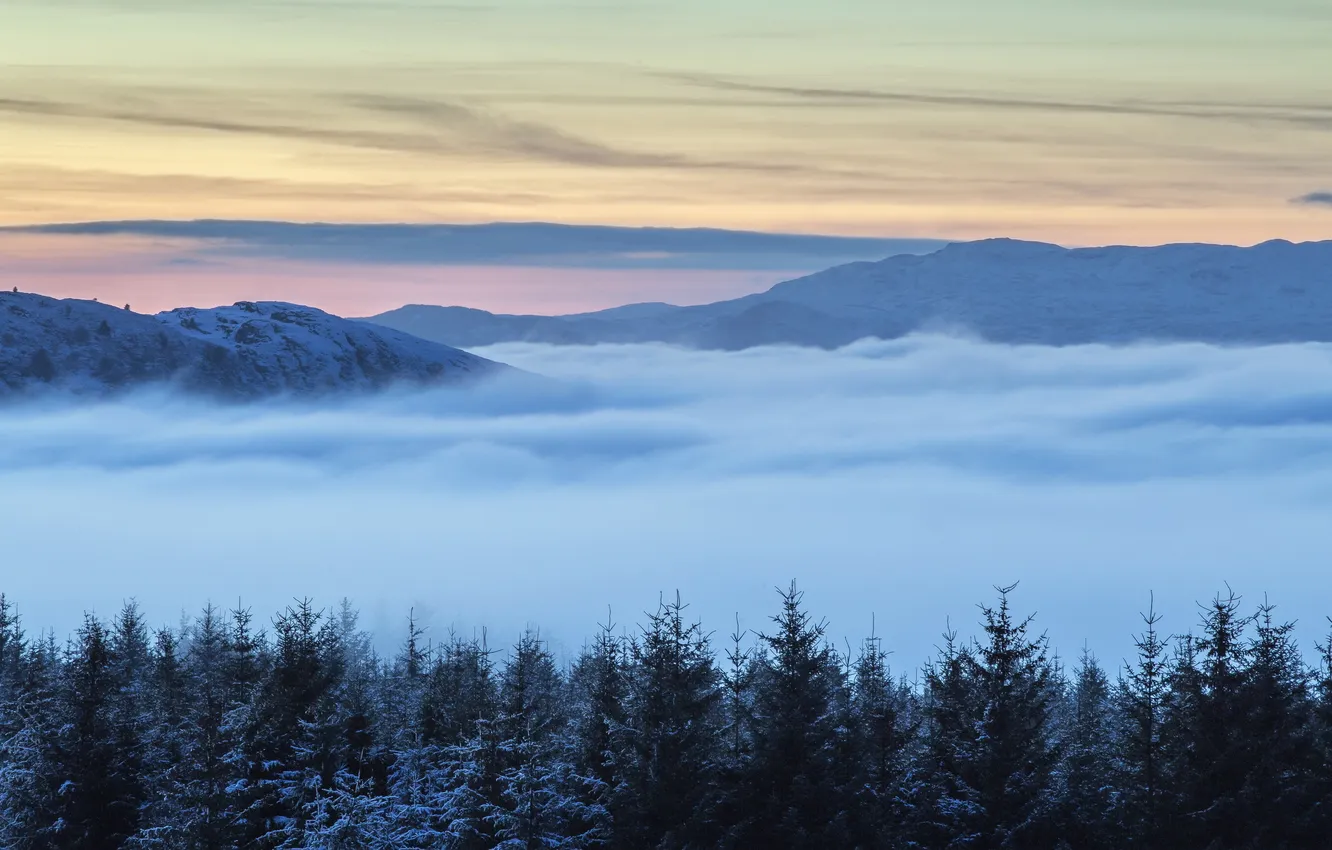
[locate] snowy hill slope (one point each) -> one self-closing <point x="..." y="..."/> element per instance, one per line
<point x="300" y="349"/>
<point x="1003" y="290"/>
<point x="248" y="350"/>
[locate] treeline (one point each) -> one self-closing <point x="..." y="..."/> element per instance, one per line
<point x="222" y="734"/>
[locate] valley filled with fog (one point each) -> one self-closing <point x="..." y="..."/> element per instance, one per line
<point x="898" y="482"/>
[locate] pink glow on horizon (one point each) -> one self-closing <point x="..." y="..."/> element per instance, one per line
<point x="156" y="275"/>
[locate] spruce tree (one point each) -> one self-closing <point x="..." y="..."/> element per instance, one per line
<point x="537" y="800"/>
<point x="31" y="718"/>
<point x="400" y="693"/>
<point x="97" y="801"/>
<point x="410" y="820"/>
<point x="130" y="710"/>
<point x="1276" y="740"/>
<point x="453" y="782"/>
<point x="324" y="760"/>
<point x="11" y="651"/>
<point x="727" y="798"/>
<point x="790" y="792"/>
<point x="1318" y="819"/>
<point x="1141" y="697"/>
<point x="947" y="799"/>
<point x="11" y="725"/>
<point x="246" y="659"/>
<point x="669" y="732"/>
<point x="1206" y="732"/>
<point x="349" y="736"/>
<point x="599" y="689"/>
<point x="459" y="693"/>
<point x="358" y="704"/>
<point x="1091" y="799"/>
<point x="885" y="731"/>
<point x="1014" y="755"/>
<point x="207" y="773"/>
<point x="285" y="761"/>
<point x="1179" y="731"/>
<point x="167" y="809"/>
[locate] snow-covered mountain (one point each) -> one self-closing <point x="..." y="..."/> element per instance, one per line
<point x="1000" y="289"/>
<point x="247" y="350"/>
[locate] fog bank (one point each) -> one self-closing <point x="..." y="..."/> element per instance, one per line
<point x="897" y="481"/>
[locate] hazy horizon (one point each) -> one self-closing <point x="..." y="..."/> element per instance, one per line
<point x="362" y="269"/>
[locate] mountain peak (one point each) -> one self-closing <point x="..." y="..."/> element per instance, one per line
<point x="1001" y="246"/>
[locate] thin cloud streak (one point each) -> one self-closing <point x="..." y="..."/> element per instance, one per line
<point x="17" y="178"/>
<point x="1314" y="199"/>
<point x="505" y="244"/>
<point x="530" y="139"/>
<point x="1318" y="116"/>
<point x="453" y="130"/>
<point x="483" y="133"/>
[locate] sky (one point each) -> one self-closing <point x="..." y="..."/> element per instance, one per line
<point x="898" y="482"/>
<point x="1073" y="121"/>
<point x="365" y="269"/>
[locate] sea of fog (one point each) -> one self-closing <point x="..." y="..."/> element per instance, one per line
<point x="897" y="482"/>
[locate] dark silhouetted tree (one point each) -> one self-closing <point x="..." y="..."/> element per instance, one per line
<point x="668" y="754"/>
<point x="1276" y="741"/>
<point x="884" y="734"/>
<point x="1142" y="696"/>
<point x="1091" y="799"/>
<point x="97" y="801"/>
<point x="213" y="736"/>
<point x="599" y="682"/>
<point x="1014" y="753"/>
<point x="789" y="792"/>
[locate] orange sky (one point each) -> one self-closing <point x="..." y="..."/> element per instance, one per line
<point x="1074" y="121"/>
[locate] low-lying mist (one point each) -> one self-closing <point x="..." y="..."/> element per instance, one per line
<point x="898" y="482"/>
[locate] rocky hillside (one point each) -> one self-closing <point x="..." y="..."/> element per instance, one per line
<point x="247" y="350"/>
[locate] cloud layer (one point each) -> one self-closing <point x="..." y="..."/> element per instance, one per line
<point x="526" y="244"/>
<point x="896" y="480"/>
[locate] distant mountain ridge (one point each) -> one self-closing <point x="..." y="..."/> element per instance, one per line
<point x="1003" y="290"/>
<point x="248" y="350"/>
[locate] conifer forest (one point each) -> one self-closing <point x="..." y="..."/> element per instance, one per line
<point x="293" y="732"/>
